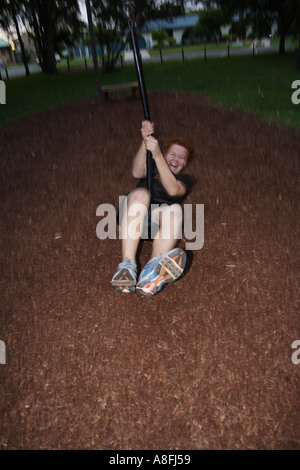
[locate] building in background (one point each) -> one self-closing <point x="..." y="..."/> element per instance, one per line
<point x="179" y="28"/>
<point x="29" y="46"/>
<point x="6" y="53"/>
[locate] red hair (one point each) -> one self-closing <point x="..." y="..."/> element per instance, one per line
<point x="183" y="143"/>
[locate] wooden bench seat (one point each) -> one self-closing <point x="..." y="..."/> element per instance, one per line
<point x="107" y="89"/>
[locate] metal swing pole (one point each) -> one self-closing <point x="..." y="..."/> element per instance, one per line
<point x="142" y="88"/>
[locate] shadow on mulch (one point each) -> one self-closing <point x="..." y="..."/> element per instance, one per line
<point x="207" y="364"/>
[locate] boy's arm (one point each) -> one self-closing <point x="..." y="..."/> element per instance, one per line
<point x="139" y="163"/>
<point x="139" y="168"/>
<point x="168" y="180"/>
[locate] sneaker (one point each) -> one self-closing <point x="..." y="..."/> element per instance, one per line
<point x="124" y="280"/>
<point x="160" y="271"/>
<point x="148" y="271"/>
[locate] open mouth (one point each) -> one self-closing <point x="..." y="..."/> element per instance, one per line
<point x="173" y="166"/>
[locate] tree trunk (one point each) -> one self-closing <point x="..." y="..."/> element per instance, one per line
<point x="298" y="58"/>
<point x="38" y="39"/>
<point x="23" y="52"/>
<point x="180" y="3"/>
<point x="286" y="16"/>
<point x="49" y="57"/>
<point x="282" y="43"/>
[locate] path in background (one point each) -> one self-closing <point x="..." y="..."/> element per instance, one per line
<point x="19" y="71"/>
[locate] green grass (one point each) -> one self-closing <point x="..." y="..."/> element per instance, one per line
<point x="193" y="48"/>
<point x="261" y="84"/>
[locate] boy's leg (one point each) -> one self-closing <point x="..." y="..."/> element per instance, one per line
<point x="124" y="280"/>
<point x="132" y="222"/>
<point x="167" y="262"/>
<point x="170" y="229"/>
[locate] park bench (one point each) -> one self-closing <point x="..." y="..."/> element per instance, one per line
<point x="107" y="89"/>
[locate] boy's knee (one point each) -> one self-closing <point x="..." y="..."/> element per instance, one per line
<point x="139" y="196"/>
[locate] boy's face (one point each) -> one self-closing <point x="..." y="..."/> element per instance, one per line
<point x="176" y="158"/>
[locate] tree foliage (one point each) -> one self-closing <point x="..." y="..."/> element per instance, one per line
<point x="52" y="21"/>
<point x="49" y="22"/>
<point x="260" y="14"/>
<point x="111" y="25"/>
<point x="167" y="10"/>
<point x="160" y="36"/>
<point x="209" y="24"/>
<point x="12" y="12"/>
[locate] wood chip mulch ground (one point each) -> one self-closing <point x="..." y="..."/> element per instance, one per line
<point x="206" y="364"/>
